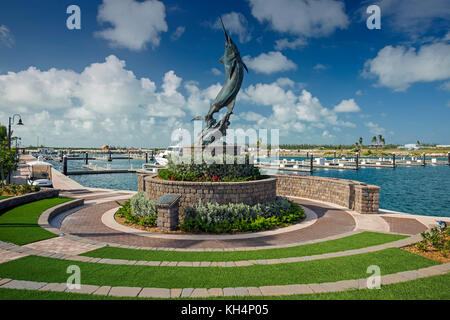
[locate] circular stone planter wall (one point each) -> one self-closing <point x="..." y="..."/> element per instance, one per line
<point x="249" y="192"/>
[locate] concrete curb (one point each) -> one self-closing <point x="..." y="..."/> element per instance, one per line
<point x="10" y="203"/>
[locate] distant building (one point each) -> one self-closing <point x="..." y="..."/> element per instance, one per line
<point x="443" y="146"/>
<point x="411" y="146"/>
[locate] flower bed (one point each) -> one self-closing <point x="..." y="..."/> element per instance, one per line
<point x="227" y="218"/>
<point x="229" y="169"/>
<point x="13" y="189"/>
<point x="435" y="244"/>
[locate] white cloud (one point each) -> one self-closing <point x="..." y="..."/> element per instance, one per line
<point x="412" y="16"/>
<point x="284" y="43"/>
<point x="399" y="67"/>
<point x="235" y="23"/>
<point x="199" y="100"/>
<point x="359" y="93"/>
<point x="347" y="106"/>
<point x="285" y="82"/>
<point x="6" y="37"/>
<point x="134" y="24"/>
<point x="319" y="67"/>
<point x="216" y="72"/>
<point x="375" y="128"/>
<point x="301" y="17"/>
<point x="269" y="63"/>
<point x="445" y="86"/>
<point x="103" y="104"/>
<point x="291" y="113"/>
<point x="178" y="33"/>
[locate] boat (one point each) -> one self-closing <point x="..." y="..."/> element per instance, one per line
<point x="162" y="157"/>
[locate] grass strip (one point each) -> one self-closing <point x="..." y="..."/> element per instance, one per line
<point x="328" y="270"/>
<point x="430" y="288"/>
<point x="19" y="225"/>
<point x="357" y="241"/>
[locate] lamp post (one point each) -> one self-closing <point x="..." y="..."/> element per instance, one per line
<point x="19" y="123"/>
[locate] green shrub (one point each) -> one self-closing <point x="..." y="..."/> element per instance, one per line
<point x="14" y="189"/>
<point x="217" y="218"/>
<point x="230" y="169"/>
<point x="437" y="238"/>
<point x="141" y="206"/>
<point x="125" y="211"/>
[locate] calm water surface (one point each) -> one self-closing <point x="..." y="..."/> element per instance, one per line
<point x="417" y="190"/>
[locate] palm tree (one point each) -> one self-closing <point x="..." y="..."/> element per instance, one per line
<point x="383" y="142"/>
<point x="360" y="141"/>
<point x="418" y="143"/>
<point x="374" y="139"/>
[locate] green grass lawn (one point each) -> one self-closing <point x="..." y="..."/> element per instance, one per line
<point x="19" y="225"/>
<point x="357" y="241"/>
<point x="435" y="288"/>
<point x="327" y="270"/>
<point x="4" y="197"/>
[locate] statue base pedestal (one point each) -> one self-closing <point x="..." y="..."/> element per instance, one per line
<point x="230" y="150"/>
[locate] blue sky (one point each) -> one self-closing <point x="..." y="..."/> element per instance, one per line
<point x="137" y="70"/>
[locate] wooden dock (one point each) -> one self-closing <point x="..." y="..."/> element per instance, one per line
<point x="101" y="171"/>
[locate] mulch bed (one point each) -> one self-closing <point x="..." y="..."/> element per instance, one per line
<point x="430" y="252"/>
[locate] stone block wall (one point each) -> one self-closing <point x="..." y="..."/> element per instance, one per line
<point x="249" y="192"/>
<point x="13" y="202"/>
<point x="357" y="196"/>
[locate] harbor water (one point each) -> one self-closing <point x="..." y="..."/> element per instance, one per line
<point x="417" y="190"/>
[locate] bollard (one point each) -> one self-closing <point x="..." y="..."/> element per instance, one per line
<point x="65" y="165"/>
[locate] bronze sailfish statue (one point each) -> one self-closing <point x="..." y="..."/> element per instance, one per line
<point x="234" y="74"/>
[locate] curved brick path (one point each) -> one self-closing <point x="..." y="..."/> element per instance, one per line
<point x="86" y="222"/>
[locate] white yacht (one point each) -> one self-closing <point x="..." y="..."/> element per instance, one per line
<point x="161" y="158"/>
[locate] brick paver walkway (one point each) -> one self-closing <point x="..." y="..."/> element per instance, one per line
<point x="87" y="223"/>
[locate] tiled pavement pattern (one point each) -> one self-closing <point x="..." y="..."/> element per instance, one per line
<point x="62" y="245"/>
<point x="230" y="292"/>
<point x="7" y="255"/>
<point x="87" y="223"/>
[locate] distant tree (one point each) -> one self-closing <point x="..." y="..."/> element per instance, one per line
<point x="8" y="160"/>
<point x="374" y="139"/>
<point x="3" y="133"/>
<point x="418" y="143"/>
<point x="360" y="141"/>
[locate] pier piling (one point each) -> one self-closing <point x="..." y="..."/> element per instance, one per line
<point x="311" y="164"/>
<point x="65" y="165"/>
<point x="146" y="157"/>
<point x="423" y="159"/>
<point x="109" y="156"/>
<point x="86" y="159"/>
<point x="393" y="160"/>
<point x="448" y="158"/>
<point x="357" y="161"/>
